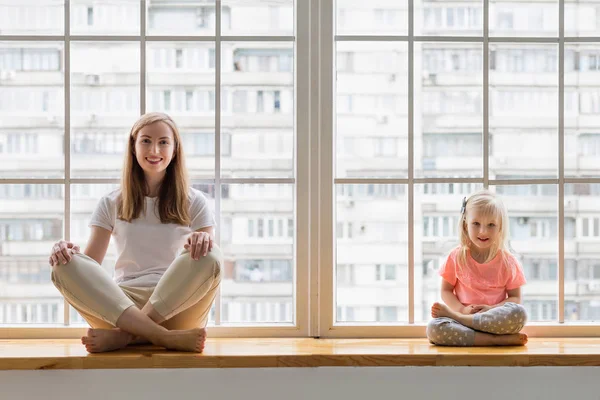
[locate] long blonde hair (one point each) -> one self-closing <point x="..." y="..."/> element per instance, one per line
<point x="173" y="199"/>
<point x="487" y="204"/>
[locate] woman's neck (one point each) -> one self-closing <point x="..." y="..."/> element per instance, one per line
<point x="153" y="185"/>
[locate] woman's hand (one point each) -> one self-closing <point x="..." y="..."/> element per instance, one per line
<point x="199" y="244"/>
<point x="62" y="252"/>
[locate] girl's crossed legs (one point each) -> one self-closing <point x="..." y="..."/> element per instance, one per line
<point x="499" y="326"/>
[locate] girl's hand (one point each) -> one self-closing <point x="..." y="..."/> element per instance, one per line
<point x="468" y="310"/>
<point x="199" y="244"/>
<point x="62" y="252"/>
<point x="481" y="308"/>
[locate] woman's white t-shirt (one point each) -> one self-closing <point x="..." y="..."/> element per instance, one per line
<point x="145" y="246"/>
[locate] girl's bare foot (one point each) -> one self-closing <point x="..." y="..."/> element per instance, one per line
<point x="187" y="340"/>
<point x="101" y="340"/>
<point x="439" y="310"/>
<point x="517" y="339"/>
<point x="487" y="339"/>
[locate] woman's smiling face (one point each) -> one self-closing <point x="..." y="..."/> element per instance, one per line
<point x="154" y="148"/>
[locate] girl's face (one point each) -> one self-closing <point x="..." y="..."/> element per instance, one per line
<point x="483" y="230"/>
<point x="154" y="148"/>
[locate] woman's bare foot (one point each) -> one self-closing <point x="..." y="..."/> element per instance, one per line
<point x="487" y="339"/>
<point x="101" y="340"/>
<point x="187" y="340"/>
<point x="439" y="310"/>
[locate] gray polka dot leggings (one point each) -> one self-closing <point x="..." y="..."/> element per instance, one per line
<point x="504" y="320"/>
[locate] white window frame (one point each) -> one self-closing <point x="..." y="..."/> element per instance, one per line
<point x="328" y="38"/>
<point x="302" y="53"/>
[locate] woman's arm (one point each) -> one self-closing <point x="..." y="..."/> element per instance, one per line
<point x="98" y="244"/>
<point x="450" y="298"/>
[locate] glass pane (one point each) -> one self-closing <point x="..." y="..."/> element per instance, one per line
<point x="437" y="212"/>
<point x="582" y="105"/>
<point x="257" y="17"/>
<point x="105" y="102"/>
<point x="582" y="18"/>
<point x="32" y="17"/>
<point x="532" y="211"/>
<point x="523" y="18"/>
<point x="523" y="109"/>
<point x="582" y="263"/>
<point x="257" y="108"/>
<point x="31" y="221"/>
<point x="181" y="18"/>
<point x="105" y="17"/>
<point x="371" y="253"/>
<point x="32" y="116"/>
<point x="257" y="236"/>
<point x="181" y="82"/>
<point x="372" y="18"/>
<point x="371" y="109"/>
<point x="449" y="110"/>
<point x="440" y="18"/>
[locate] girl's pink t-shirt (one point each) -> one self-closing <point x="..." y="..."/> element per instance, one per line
<point x="488" y="283"/>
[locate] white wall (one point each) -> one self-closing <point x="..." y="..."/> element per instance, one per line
<point x="343" y="383"/>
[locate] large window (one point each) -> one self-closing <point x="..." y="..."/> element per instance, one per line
<point x="335" y="140"/>
<point x="224" y="70"/>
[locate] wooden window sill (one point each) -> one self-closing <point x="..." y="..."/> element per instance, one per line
<point x="34" y="354"/>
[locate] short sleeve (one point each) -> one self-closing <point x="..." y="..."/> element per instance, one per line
<point x="448" y="270"/>
<point x="516" y="278"/>
<point x="104" y="214"/>
<point x="201" y="213"/>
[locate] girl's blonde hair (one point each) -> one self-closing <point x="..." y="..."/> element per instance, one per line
<point x="487" y="204"/>
<point x="173" y="199"/>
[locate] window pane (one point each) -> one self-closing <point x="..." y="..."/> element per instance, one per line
<point x="449" y="109"/>
<point x="371" y="253"/>
<point x="258" y="281"/>
<point x="105" y="79"/>
<point x="105" y="17"/>
<point x="257" y="109"/>
<point x="582" y="284"/>
<point x="513" y="18"/>
<point x="32" y="17"/>
<point x="582" y="105"/>
<point x="433" y="18"/>
<point x="31" y="221"/>
<point x="257" y="17"/>
<point x="371" y="109"/>
<point x="177" y="18"/>
<point x="372" y="18"/>
<point x="523" y="109"/>
<point x="435" y="204"/>
<point x="582" y="18"/>
<point x="31" y="109"/>
<point x="533" y="234"/>
<point x="181" y="82"/>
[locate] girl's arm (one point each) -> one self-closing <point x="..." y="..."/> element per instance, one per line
<point x="98" y="244"/>
<point x="450" y="298"/>
<point x="514" y="296"/>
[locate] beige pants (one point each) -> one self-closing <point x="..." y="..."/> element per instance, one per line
<point x="183" y="296"/>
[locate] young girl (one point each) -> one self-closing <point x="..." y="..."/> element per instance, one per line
<point x="168" y="268"/>
<point x="481" y="283"/>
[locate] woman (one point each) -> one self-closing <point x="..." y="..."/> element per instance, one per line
<point x="168" y="270"/>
